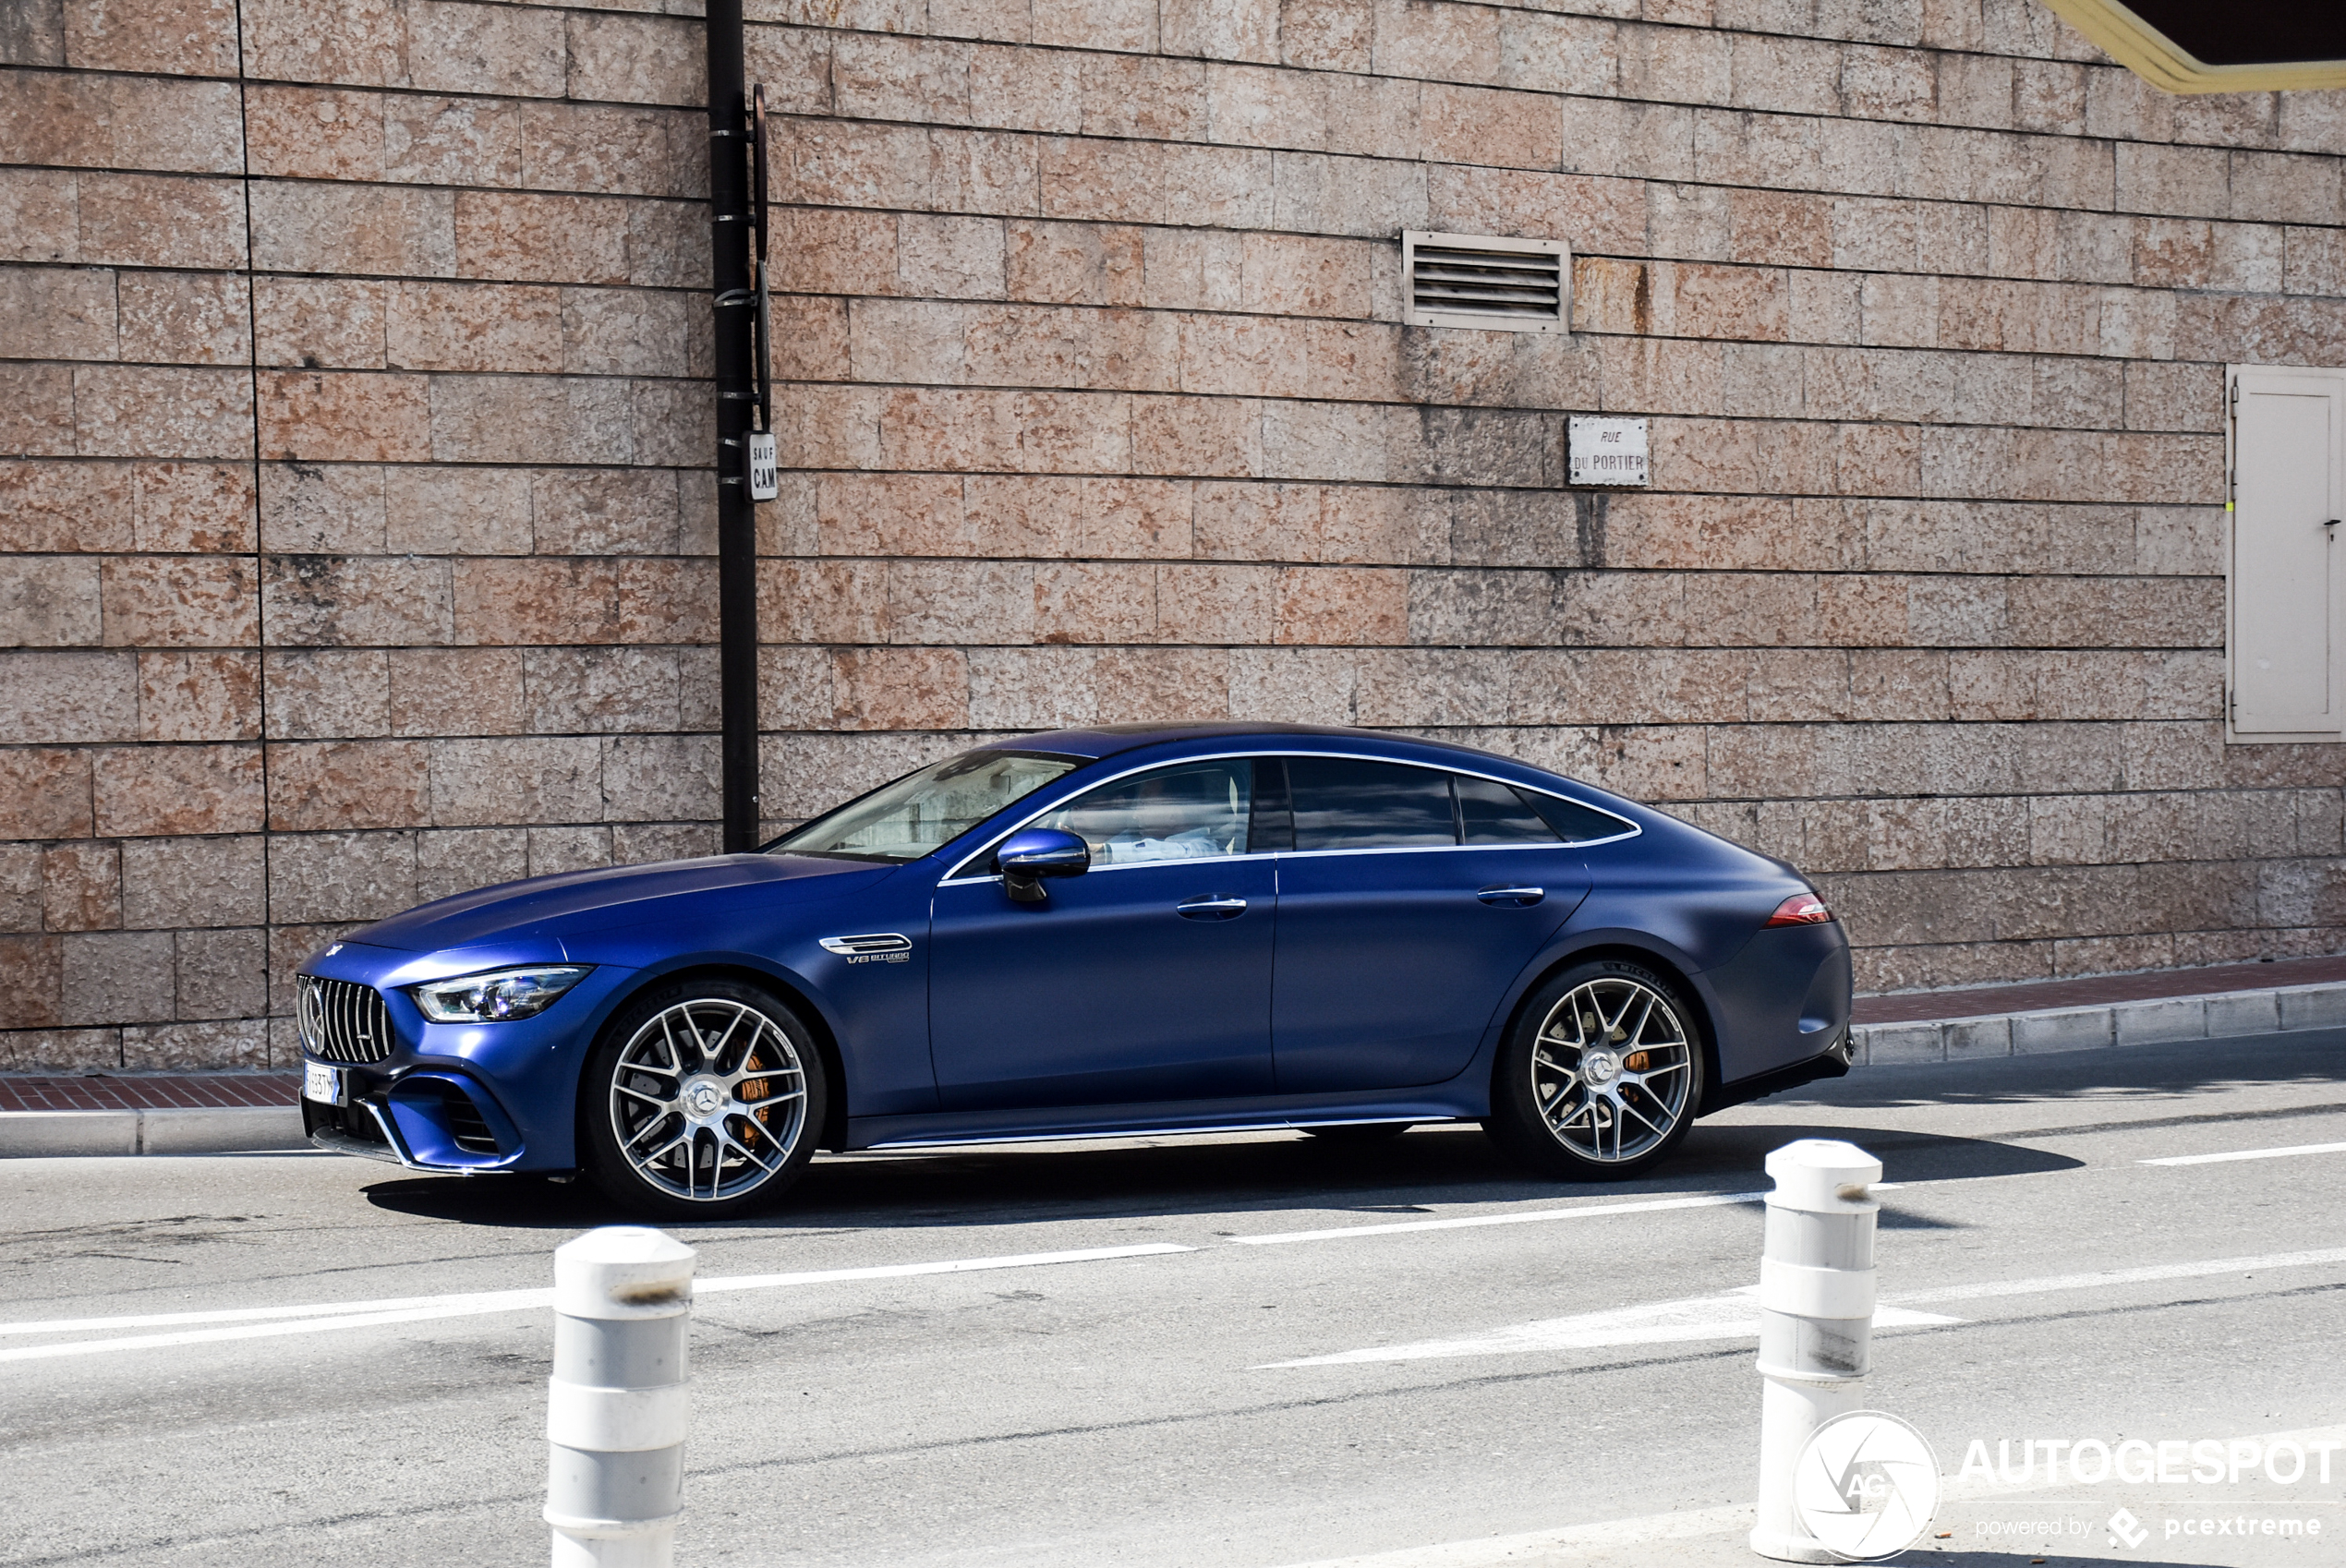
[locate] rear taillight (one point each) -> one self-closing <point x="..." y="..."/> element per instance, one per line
<point x="1801" y="909"/>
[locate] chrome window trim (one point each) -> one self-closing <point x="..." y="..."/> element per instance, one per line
<point x="956" y="877"/>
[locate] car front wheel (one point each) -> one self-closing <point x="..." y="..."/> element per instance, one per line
<point x="1601" y="1074"/>
<point x="702" y="1099"/>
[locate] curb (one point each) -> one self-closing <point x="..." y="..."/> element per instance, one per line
<point x="209" y="1130"/>
<point x="2219" y="1016"/>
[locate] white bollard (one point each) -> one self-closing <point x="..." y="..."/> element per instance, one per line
<point x="1815" y="1319"/>
<point x="617" y="1408"/>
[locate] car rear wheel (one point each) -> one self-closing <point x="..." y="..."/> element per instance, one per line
<point x="1601" y="1075"/>
<point x="702" y="1099"/>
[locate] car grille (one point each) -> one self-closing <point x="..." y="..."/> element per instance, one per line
<point x="343" y="1022"/>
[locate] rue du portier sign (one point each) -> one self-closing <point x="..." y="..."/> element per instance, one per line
<point x="1605" y="451"/>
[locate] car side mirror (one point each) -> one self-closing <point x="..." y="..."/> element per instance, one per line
<point x="1027" y="857"/>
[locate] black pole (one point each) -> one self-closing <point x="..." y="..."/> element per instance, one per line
<point x="728" y="222"/>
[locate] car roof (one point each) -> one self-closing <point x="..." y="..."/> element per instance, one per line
<point x="1097" y="740"/>
<point x="1111" y="739"/>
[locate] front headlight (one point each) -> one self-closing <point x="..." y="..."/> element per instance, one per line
<point x="497" y="996"/>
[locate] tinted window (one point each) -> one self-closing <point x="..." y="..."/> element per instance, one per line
<point x="921" y="811"/>
<point x="1490" y="812"/>
<point x="1575" y="824"/>
<point x="1341" y="804"/>
<point x="1179" y="812"/>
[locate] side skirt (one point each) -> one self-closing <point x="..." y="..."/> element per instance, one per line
<point x="1060" y="1123"/>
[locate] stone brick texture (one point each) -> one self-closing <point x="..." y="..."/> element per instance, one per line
<point x="355" y="518"/>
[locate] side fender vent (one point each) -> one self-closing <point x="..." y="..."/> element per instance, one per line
<point x="1509" y="285"/>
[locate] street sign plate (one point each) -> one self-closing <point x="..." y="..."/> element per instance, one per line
<point x="1607" y="450"/>
<point x="765" y="468"/>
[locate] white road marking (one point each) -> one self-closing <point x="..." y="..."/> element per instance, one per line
<point x="2247" y="1154"/>
<point x="477" y="1301"/>
<point x="1520" y="1217"/>
<point x="2144" y="1275"/>
<point x="1735" y="1315"/>
<point x="957" y="1266"/>
<point x="322" y="1315"/>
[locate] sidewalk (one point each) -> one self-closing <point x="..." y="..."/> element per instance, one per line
<point x="215" y="1113"/>
<point x="210" y="1113"/>
<point x="2218" y="1002"/>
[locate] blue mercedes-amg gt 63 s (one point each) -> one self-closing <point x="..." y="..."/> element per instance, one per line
<point x="1143" y="928"/>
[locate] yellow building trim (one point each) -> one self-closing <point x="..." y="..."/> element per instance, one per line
<point x="2151" y="55"/>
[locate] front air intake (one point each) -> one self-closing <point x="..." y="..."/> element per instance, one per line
<point x="342" y="1021"/>
<point x="1517" y="285"/>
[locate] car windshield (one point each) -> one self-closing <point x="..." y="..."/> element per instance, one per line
<point x="922" y="811"/>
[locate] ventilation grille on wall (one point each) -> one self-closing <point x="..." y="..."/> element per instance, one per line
<point x="1517" y="285"/>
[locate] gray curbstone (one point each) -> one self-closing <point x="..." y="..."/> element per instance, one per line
<point x="2219" y="1016"/>
<point x="1889" y="1043"/>
<point x="2161" y="1020"/>
<point x="2243" y="1012"/>
<point x="1968" y="1039"/>
<point x="2311" y="1006"/>
<point x="2064" y="1029"/>
<point x="225" y="1130"/>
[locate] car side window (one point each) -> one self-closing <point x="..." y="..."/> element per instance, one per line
<point x="1573" y="823"/>
<point x="1348" y="803"/>
<point x="1186" y="811"/>
<point x="1492" y="813"/>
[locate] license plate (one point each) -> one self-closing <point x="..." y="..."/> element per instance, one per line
<point x="323" y="1084"/>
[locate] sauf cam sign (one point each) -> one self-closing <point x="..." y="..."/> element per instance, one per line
<point x="1606" y="451"/>
<point x="765" y="471"/>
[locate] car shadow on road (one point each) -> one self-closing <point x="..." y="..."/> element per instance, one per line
<point x="1290" y="1175"/>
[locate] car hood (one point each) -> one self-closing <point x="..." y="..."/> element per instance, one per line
<point x="580" y="901"/>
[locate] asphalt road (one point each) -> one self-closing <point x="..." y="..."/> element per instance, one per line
<point x="1145" y="1409"/>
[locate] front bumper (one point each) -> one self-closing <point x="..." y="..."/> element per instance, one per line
<point x="458" y="1098"/>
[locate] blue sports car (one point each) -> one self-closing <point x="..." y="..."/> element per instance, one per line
<point x="1143" y="928"/>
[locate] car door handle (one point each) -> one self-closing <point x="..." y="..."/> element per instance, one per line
<point x="1211" y="906"/>
<point x="1516" y="898"/>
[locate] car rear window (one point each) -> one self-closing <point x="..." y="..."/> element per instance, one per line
<point x="1348" y="803"/>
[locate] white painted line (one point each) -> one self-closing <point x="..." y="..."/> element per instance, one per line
<point x="2247" y="1154"/>
<point x="274" y="1320"/>
<point x="2144" y="1275"/>
<point x="1733" y="1316"/>
<point x="1521" y="1217"/>
<point x="477" y="1301"/>
<point x="957" y="1266"/>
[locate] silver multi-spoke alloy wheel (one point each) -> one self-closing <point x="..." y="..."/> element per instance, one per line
<point x="707" y="1099"/>
<point x="1612" y="1069"/>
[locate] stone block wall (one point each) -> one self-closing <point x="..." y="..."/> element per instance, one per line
<point x="357" y="527"/>
<point x="351" y="484"/>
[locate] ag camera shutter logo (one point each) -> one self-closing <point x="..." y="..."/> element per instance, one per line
<point x="1865" y="1486"/>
